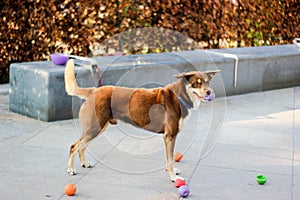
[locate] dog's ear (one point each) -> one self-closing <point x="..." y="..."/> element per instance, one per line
<point x="211" y="74"/>
<point x="185" y="75"/>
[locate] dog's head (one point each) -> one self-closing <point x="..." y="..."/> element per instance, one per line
<point x="197" y="85"/>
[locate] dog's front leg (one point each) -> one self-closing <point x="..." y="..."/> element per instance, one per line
<point x="169" y="147"/>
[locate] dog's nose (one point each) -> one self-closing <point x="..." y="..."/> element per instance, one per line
<point x="208" y="92"/>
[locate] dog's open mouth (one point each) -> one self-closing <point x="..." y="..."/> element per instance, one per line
<point x="197" y="95"/>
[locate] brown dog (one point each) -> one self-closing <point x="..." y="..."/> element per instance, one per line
<point x="159" y="110"/>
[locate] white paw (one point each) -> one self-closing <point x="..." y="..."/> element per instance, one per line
<point x="173" y="178"/>
<point x="179" y="177"/>
<point x="71" y="171"/>
<point x="176" y="171"/>
<point x="87" y="165"/>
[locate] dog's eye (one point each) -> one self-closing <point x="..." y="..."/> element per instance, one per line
<point x="196" y="85"/>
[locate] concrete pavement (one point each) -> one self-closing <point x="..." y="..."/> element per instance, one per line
<point x="259" y="134"/>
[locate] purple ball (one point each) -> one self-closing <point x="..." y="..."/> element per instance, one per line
<point x="210" y="97"/>
<point x="59" y="58"/>
<point x="184" y="191"/>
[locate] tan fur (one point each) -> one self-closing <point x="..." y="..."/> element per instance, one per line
<point x="71" y="85"/>
<point x="158" y="110"/>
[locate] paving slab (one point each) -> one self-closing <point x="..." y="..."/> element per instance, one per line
<point x="259" y="134"/>
<point x="217" y="183"/>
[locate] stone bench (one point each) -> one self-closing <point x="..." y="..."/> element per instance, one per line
<point x="37" y="88"/>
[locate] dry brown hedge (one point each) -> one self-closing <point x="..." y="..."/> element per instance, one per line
<point x="31" y="30"/>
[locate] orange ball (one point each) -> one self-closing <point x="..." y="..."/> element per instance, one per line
<point x="70" y="189"/>
<point x="178" y="156"/>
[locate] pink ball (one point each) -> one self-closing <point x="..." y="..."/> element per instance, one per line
<point x="179" y="182"/>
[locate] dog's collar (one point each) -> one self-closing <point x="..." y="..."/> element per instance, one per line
<point x="184" y="103"/>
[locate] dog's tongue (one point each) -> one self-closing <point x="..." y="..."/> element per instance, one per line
<point x="210" y="97"/>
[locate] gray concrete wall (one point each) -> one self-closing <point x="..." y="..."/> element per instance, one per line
<point x="262" y="68"/>
<point x="37" y="88"/>
<point x="258" y="68"/>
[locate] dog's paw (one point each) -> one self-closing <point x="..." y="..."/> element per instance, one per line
<point x="176" y="171"/>
<point x="86" y="165"/>
<point x="173" y="179"/>
<point x="71" y="171"/>
<point x="179" y="177"/>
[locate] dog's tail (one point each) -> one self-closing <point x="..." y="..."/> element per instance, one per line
<point x="71" y="85"/>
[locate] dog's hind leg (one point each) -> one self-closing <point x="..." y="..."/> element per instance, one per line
<point x="86" y="140"/>
<point x="92" y="127"/>
<point x="80" y="146"/>
<point x="73" y="150"/>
